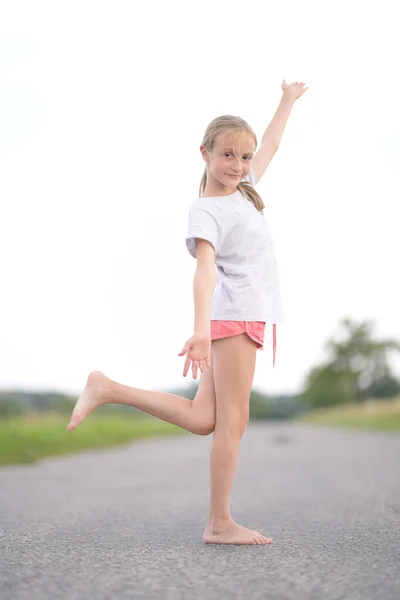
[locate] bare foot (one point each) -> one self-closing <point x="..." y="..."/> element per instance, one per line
<point x="232" y="533"/>
<point x="91" y="397"/>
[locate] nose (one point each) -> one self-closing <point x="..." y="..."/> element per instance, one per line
<point x="236" y="166"/>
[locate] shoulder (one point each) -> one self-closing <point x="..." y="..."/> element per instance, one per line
<point x="218" y="207"/>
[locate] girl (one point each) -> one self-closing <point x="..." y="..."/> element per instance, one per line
<point x="229" y="238"/>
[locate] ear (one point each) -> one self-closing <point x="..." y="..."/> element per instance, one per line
<point x="204" y="153"/>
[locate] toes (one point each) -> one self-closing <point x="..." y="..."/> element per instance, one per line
<point x="76" y="418"/>
<point x="262" y="538"/>
<point x="267" y="540"/>
<point x="253" y="539"/>
<point x="72" y="425"/>
<point x="74" y="421"/>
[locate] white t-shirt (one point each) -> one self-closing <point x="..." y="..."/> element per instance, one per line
<point x="247" y="287"/>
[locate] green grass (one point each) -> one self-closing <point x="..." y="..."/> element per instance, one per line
<point x="382" y="415"/>
<point x="27" y="439"/>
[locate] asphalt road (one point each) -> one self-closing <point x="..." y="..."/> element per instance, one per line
<point x="128" y="522"/>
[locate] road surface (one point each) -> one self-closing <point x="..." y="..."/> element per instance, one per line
<point x="128" y="522"/>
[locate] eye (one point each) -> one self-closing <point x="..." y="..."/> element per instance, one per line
<point x="229" y="154"/>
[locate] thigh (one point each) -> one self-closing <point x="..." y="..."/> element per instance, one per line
<point x="234" y="366"/>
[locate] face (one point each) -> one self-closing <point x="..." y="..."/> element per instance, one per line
<point x="230" y="160"/>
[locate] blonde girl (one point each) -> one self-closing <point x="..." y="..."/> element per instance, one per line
<point x="236" y="292"/>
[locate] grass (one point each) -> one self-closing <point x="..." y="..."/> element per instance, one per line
<point x="28" y="438"/>
<point x="31" y="437"/>
<point x="382" y="415"/>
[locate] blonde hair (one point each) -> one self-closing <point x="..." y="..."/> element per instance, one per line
<point x="229" y="124"/>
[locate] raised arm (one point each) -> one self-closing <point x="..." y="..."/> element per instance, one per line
<point x="272" y="136"/>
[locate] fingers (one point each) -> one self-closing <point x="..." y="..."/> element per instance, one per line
<point x="196" y="364"/>
<point x="194" y="369"/>
<point x="202" y="364"/>
<point x="186" y="367"/>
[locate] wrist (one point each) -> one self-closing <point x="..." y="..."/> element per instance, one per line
<point x="288" y="96"/>
<point x="202" y="331"/>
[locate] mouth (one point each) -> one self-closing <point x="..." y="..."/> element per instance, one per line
<point x="234" y="176"/>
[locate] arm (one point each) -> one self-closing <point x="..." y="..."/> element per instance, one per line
<point x="277" y="126"/>
<point x="272" y="136"/>
<point x="204" y="281"/>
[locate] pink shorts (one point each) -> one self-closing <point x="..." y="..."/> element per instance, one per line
<point x="254" y="329"/>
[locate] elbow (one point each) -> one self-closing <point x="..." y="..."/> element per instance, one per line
<point x="207" y="272"/>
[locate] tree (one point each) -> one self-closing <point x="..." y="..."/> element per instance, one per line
<point x="356" y="368"/>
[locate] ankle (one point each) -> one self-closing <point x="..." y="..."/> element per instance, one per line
<point x="218" y="523"/>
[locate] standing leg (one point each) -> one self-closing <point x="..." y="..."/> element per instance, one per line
<point x="234" y="364"/>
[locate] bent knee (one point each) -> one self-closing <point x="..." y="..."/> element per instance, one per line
<point x="204" y="427"/>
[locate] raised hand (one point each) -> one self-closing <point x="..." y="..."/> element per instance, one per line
<point x="295" y="90"/>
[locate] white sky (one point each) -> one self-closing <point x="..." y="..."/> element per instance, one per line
<point x="103" y="106"/>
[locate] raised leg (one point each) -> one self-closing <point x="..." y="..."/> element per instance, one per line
<point x="196" y="416"/>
